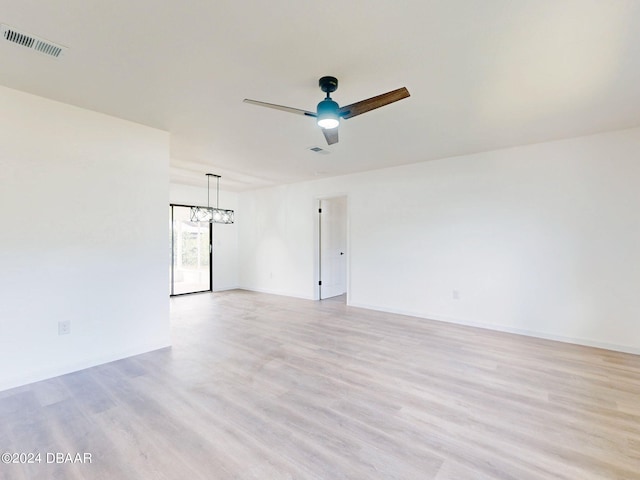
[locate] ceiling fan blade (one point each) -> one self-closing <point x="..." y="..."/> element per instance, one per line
<point x="331" y="135"/>
<point x="280" y="107"/>
<point x="374" y="102"/>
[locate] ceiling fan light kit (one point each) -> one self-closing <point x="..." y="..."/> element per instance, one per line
<point x="211" y="214"/>
<point x="328" y="113"/>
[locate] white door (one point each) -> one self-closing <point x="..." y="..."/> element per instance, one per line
<point x="333" y="247"/>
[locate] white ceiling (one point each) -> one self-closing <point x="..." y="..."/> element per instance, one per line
<point x="483" y="74"/>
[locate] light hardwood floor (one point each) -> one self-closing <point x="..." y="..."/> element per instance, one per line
<point x="267" y="387"/>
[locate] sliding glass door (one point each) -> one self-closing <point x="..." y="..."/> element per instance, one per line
<point x="190" y="270"/>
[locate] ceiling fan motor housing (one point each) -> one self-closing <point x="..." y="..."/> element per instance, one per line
<point x="328" y="110"/>
<point x="328" y="107"/>
<point x="328" y="113"/>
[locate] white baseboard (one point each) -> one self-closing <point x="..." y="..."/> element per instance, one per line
<point x="48" y="373"/>
<point x="502" y="328"/>
<point x="226" y="289"/>
<point x="277" y="292"/>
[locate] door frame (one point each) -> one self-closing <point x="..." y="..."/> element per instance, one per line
<point x="171" y="265"/>
<point x="317" y="288"/>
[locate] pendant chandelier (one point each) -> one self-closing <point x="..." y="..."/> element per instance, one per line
<point x="210" y="214"/>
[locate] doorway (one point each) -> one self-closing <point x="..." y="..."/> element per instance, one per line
<point x="191" y="253"/>
<point x="332" y="247"/>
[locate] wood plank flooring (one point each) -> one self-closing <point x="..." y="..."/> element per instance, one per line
<point x="266" y="387"/>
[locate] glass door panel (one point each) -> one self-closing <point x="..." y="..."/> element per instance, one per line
<point x="190" y="253"/>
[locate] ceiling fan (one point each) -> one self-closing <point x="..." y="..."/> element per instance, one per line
<point x="329" y="113"/>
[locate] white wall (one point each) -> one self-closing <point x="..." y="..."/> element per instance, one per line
<point x="541" y="239"/>
<point x="277" y="239"/>
<point x="225" y="237"/>
<point x="83" y="211"/>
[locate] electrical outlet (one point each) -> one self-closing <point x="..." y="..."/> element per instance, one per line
<point x="456" y="295"/>
<point x="64" y="327"/>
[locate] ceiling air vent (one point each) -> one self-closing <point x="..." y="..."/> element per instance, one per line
<point x="319" y="150"/>
<point x="31" y="41"/>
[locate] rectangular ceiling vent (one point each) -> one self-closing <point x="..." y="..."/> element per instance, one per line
<point x="319" y="150"/>
<point x="31" y="41"/>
